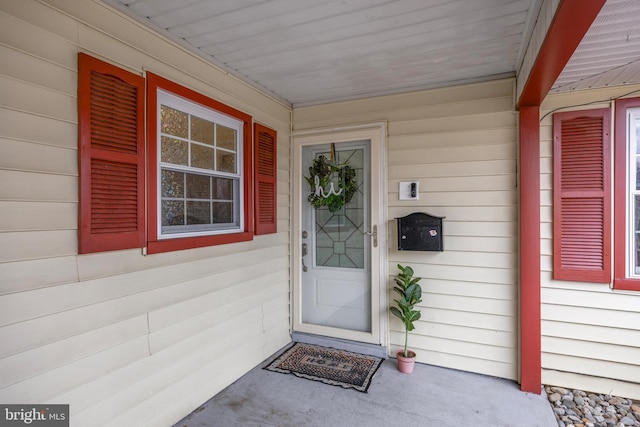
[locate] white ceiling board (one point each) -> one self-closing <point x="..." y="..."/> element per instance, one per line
<point x="320" y="29"/>
<point x="307" y="52"/>
<point x="258" y="19"/>
<point x="314" y="51"/>
<point x="609" y="54"/>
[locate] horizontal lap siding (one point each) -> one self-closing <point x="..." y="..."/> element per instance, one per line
<point x="590" y="333"/>
<point x="460" y="144"/>
<point x="121" y="337"/>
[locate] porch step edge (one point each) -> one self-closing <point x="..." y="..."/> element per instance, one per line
<point x="341" y="344"/>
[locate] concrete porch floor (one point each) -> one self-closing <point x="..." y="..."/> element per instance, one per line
<point x="431" y="396"/>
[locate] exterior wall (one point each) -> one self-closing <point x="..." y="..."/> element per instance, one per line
<point x="460" y="144"/>
<point x="590" y="333"/>
<point x="125" y="339"/>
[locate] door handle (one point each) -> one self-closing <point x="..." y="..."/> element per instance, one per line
<point x="374" y="235"/>
<point x="305" y="249"/>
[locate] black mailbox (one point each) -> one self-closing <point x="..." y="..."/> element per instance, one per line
<point x="420" y="232"/>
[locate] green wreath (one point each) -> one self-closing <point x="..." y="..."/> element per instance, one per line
<point x="323" y="174"/>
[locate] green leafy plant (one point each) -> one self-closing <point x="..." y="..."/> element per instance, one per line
<point x="410" y="294"/>
<point x="322" y="174"/>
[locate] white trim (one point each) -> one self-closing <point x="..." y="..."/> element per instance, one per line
<point x="195" y="109"/>
<point x="632" y="156"/>
<point x="376" y="133"/>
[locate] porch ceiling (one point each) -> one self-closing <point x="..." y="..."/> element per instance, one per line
<point x="609" y="54"/>
<point x="307" y="52"/>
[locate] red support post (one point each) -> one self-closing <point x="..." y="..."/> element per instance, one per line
<point x="530" y="334"/>
<point x="571" y="22"/>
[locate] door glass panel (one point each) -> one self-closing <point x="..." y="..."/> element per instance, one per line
<point x="339" y="241"/>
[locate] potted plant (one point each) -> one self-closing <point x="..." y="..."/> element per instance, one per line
<point x="410" y="294"/>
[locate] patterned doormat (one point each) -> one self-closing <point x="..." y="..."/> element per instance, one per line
<point x="327" y="365"/>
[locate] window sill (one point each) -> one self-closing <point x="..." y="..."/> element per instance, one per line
<point x="626" y="284"/>
<point x="177" y="244"/>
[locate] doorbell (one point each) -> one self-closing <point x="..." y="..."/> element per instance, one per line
<point x="409" y="190"/>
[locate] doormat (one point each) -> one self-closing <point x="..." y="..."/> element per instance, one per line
<point x="327" y="365"/>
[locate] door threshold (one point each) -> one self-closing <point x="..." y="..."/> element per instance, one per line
<point x="341" y="344"/>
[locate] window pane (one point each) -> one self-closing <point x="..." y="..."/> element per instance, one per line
<point x="174" y="122"/>
<point x="172" y="184"/>
<point x="174" y="151"/>
<point x="222" y="212"/>
<point x="226" y="137"/>
<point x="201" y="130"/>
<point x="633" y="223"/>
<point x="637" y="130"/>
<point x="172" y="212"/>
<point x="198" y="212"/>
<point x="201" y="157"/>
<point x="636" y="236"/>
<point x="225" y="162"/>
<point x="222" y="189"/>
<point x="198" y="186"/>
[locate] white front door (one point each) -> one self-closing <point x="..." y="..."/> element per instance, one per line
<point x="337" y="285"/>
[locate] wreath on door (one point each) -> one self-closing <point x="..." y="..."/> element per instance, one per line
<point x="324" y="174"/>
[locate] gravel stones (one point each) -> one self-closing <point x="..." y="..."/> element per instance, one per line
<point x="576" y="408"/>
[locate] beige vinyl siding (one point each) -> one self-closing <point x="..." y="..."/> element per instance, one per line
<point x="125" y="339"/>
<point x="590" y="334"/>
<point x="460" y="144"/>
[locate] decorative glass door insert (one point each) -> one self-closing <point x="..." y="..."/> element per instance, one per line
<point x="339" y="235"/>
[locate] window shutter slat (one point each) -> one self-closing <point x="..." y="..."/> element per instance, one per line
<point x="114" y="124"/>
<point x="582" y="234"/>
<point x="114" y="197"/>
<point x="111" y="149"/>
<point x="582" y="196"/>
<point x="265" y="141"/>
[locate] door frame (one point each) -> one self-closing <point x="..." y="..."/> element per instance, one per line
<point x="377" y="134"/>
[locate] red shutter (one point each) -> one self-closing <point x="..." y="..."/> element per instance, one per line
<point x="111" y="157"/>
<point x="265" y="141"/>
<point x="582" y="196"/>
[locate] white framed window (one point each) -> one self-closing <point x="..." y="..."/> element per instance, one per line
<point x="633" y="193"/>
<point x="200" y="171"/>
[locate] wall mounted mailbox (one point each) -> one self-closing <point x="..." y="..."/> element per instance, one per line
<point x="420" y="232"/>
